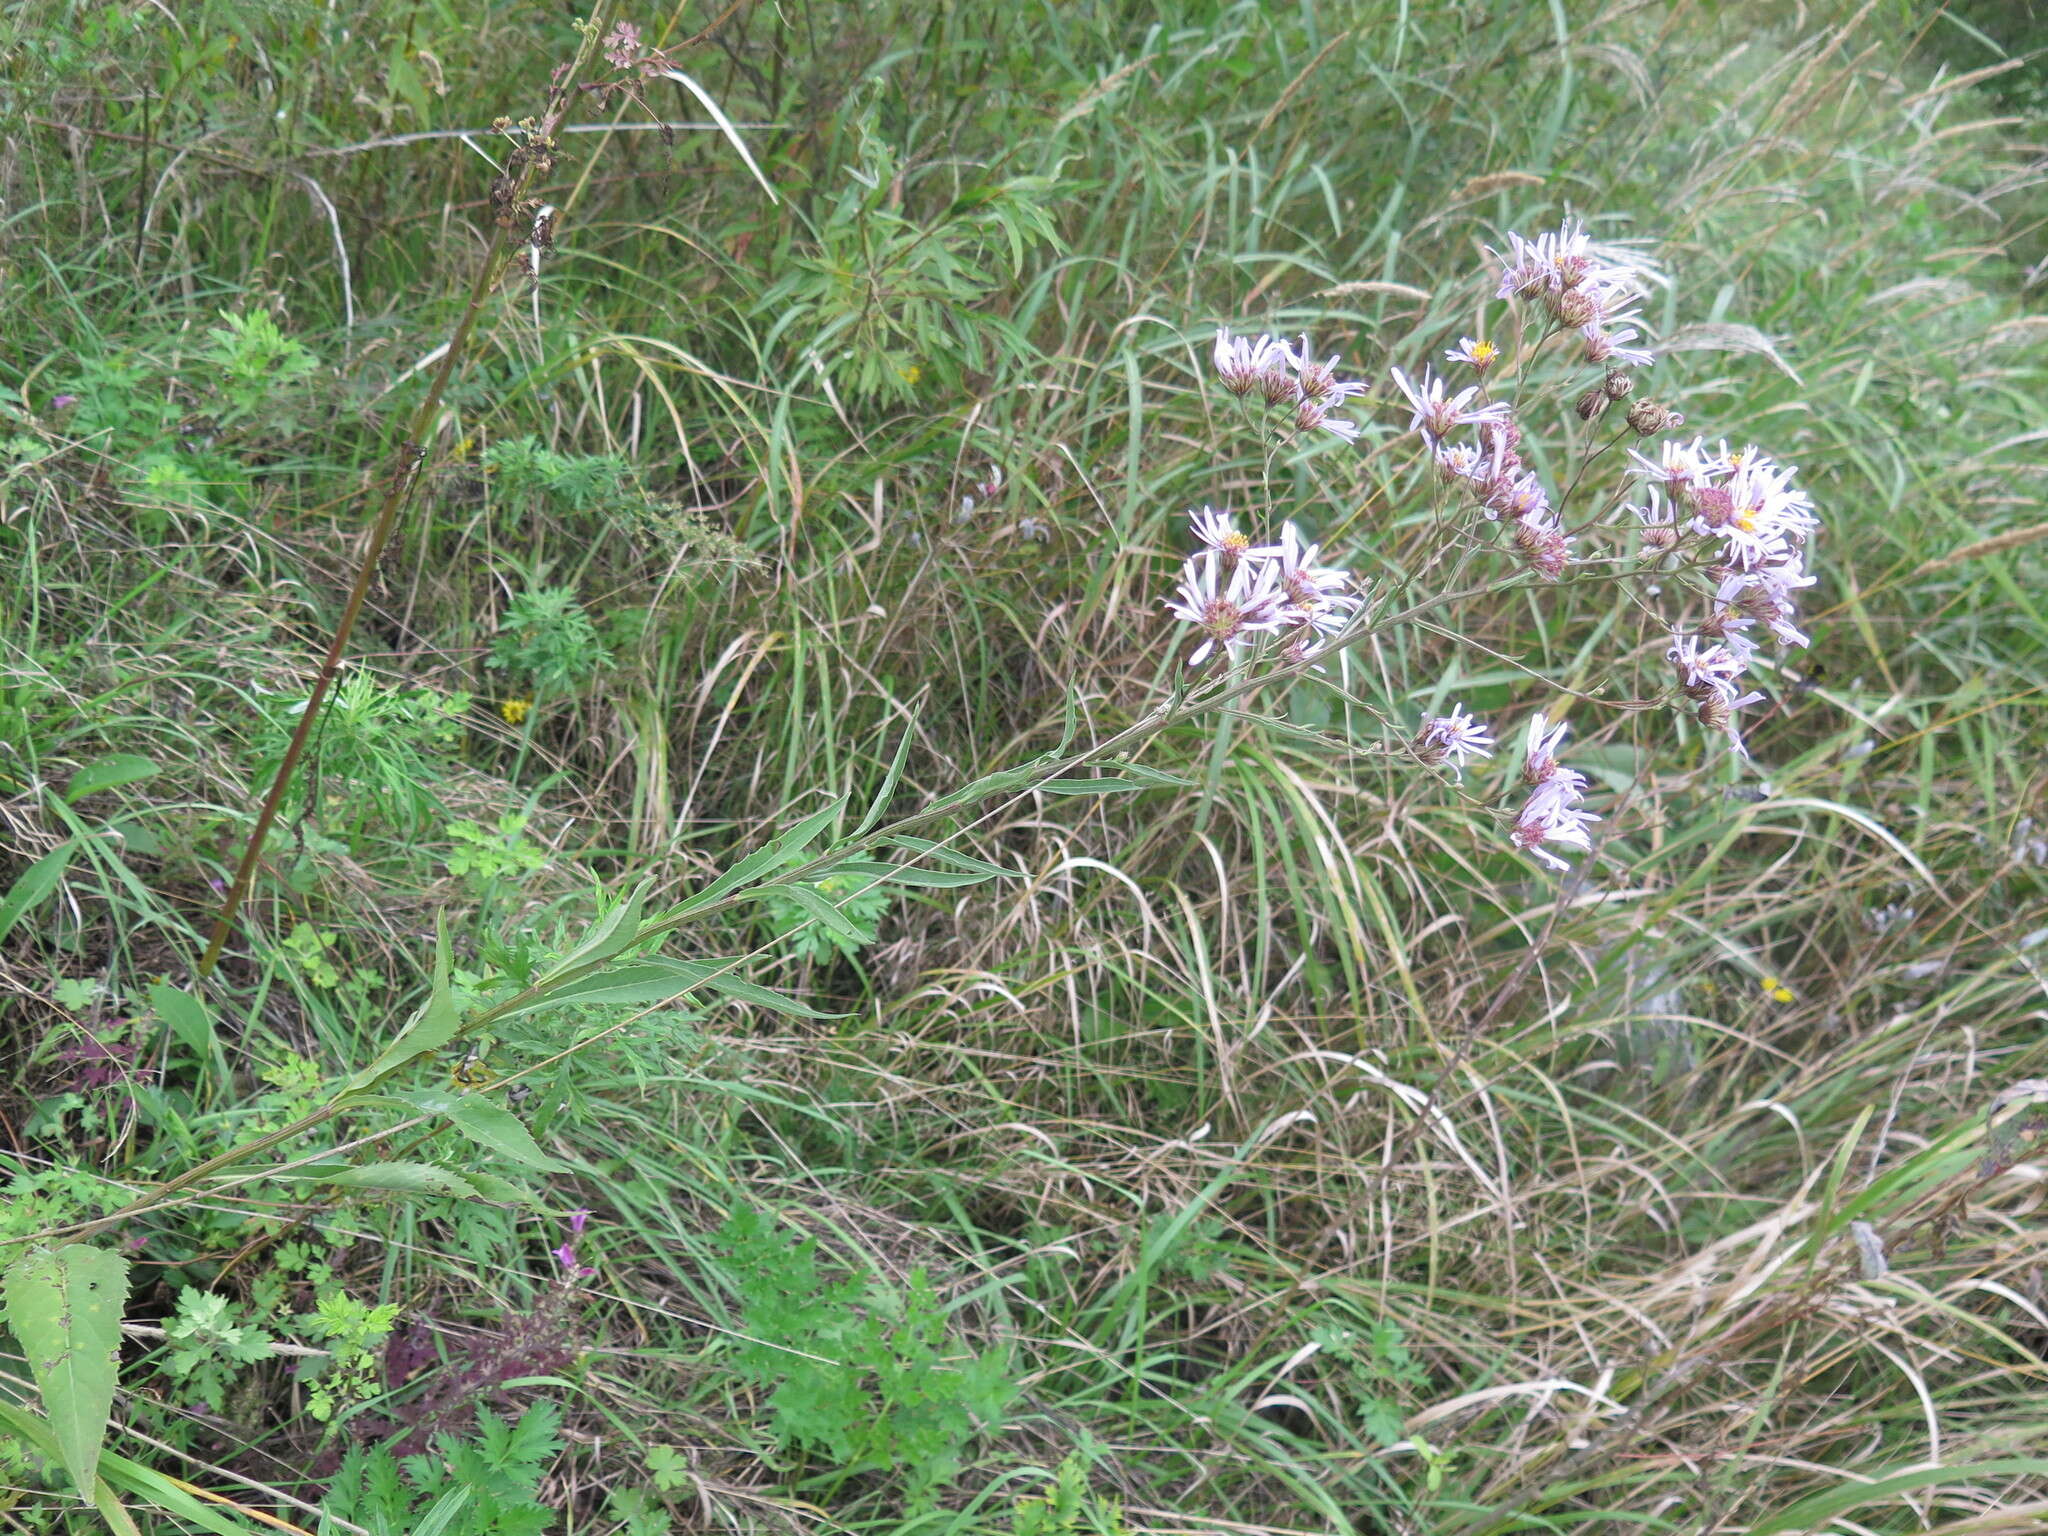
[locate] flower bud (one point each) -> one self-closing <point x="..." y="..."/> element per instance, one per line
<point x="1592" y="403"/>
<point x="1279" y="387"/>
<point x="1575" y="307"/>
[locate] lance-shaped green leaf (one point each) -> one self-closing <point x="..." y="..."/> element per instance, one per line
<point x="436" y="1023"/>
<point x="782" y="851"/>
<point x="64" y="1305"/>
<point x="33" y="886"/>
<point x="392" y="1178"/>
<point x="876" y="873"/>
<point x="941" y="854"/>
<point x="487" y="1123"/>
<point x="657" y="979"/>
<point x="117" y="1472"/>
<point x="1103" y="786"/>
<point x="612" y="935"/>
<point x="819" y="906"/>
<point x="880" y="803"/>
<point x="109" y="772"/>
<point x="190" y="1024"/>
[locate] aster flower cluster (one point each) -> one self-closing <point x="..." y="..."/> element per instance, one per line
<point x="1287" y="378"/>
<point x="1739" y="512"/>
<point x="1551" y="813"/>
<point x="1235" y="592"/>
<point x="1586" y="286"/>
<point x="1732" y="517"/>
<point x="1490" y="472"/>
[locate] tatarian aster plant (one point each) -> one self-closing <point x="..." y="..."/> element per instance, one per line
<point x="1727" y="530"/>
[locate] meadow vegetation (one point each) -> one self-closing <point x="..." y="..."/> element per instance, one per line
<point x="760" y="1010"/>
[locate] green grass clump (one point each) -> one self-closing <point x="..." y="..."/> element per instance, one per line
<point x="1264" y="1148"/>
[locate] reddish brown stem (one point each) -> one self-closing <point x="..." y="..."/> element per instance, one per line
<point x="529" y="162"/>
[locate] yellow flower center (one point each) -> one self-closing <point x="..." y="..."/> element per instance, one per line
<point x="515" y="710"/>
<point x="1484" y="352"/>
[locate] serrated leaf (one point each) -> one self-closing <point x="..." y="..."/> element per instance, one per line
<point x="489" y="1125"/>
<point x="64" y="1305"/>
<point x="436" y="1023"/>
<point x="109" y="772"/>
<point x="401" y="1179"/>
<point x="34" y="885"/>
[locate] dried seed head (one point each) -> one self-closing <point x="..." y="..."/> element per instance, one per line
<point x="1592" y="403"/>
<point x="1659" y="539"/>
<point x="1646" y="418"/>
<point x="1617" y="384"/>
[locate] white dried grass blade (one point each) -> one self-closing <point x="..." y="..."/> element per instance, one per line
<point x="725" y="126"/>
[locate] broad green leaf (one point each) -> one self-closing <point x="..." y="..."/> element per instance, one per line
<point x="400" y="1179"/>
<point x="34" y="885"/>
<point x="427" y="1030"/>
<point x="190" y="1024"/>
<point x="64" y="1305"/>
<point x="490" y="1125"/>
<point x="109" y="772"/>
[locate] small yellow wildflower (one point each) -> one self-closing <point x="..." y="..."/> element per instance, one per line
<point x="515" y="710"/>
<point x="910" y="373"/>
<point x="1776" y="990"/>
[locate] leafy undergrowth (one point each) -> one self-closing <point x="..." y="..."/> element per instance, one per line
<point x="1267" y="1147"/>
